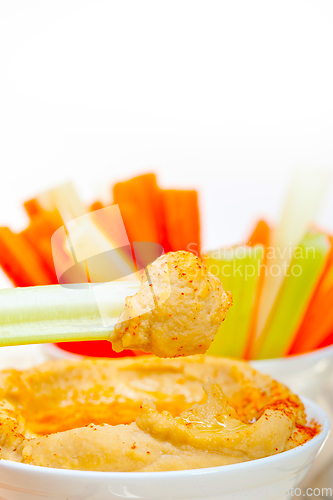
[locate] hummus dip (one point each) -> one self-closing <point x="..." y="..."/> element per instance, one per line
<point x="177" y="310"/>
<point x="146" y="414"/>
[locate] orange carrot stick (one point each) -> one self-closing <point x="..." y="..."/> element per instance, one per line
<point x="32" y="207"/>
<point x="52" y="218"/>
<point x="20" y="261"/>
<point x="260" y="236"/>
<point x="315" y="328"/>
<point x="182" y="221"/>
<point x="328" y="341"/>
<point x="317" y="323"/>
<point x="42" y="225"/>
<point x="97" y="205"/>
<point x="139" y="200"/>
<point x="40" y="240"/>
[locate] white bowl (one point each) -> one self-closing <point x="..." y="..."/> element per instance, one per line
<point x="267" y="478"/>
<point x="303" y="373"/>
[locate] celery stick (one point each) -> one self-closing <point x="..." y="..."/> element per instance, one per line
<point x="294" y="296"/>
<point x="58" y="313"/>
<point x="302" y="203"/>
<point x="241" y="279"/>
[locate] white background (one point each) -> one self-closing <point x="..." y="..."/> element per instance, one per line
<point x="227" y="97"/>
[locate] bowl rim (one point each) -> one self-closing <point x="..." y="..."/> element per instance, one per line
<point x="313" y="355"/>
<point x="57" y="353"/>
<point x="317" y="440"/>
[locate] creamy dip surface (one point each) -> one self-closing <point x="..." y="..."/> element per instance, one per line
<point x="146" y="414"/>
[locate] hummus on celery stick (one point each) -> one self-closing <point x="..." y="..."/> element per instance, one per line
<point x="177" y="310"/>
<point x="148" y="414"/>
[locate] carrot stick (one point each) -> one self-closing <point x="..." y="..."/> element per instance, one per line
<point x="52" y="217"/>
<point x="317" y="323"/>
<point x="139" y="200"/>
<point x="38" y="236"/>
<point x="326" y="282"/>
<point x="20" y="261"/>
<point x="32" y="207"/>
<point x="42" y="225"/>
<point x="140" y="203"/>
<point x="97" y="205"/>
<point x="182" y="222"/>
<point x="328" y="341"/>
<point x="260" y="236"/>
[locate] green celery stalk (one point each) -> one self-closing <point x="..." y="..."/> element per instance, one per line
<point x="241" y="279"/>
<point x="57" y="313"/>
